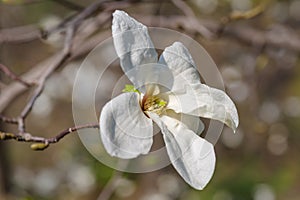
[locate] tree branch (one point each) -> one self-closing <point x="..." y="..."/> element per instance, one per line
<point x="246" y="34"/>
<point x="41" y="143"/>
<point x="8" y="120"/>
<point x="13" y="90"/>
<point x="20" y="34"/>
<point x="31" y="32"/>
<point x="184" y="7"/>
<point x="11" y="75"/>
<point x="80" y="48"/>
<point x="188" y="11"/>
<point x="41" y="83"/>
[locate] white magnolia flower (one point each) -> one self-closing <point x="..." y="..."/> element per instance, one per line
<point x="126" y="121"/>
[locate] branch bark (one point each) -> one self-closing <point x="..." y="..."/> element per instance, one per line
<point x="41" y="143"/>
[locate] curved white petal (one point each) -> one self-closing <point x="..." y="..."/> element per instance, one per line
<point x="192" y="156"/>
<point x="204" y="101"/>
<point x="125" y="131"/>
<point x="180" y="61"/>
<point x="132" y="41"/>
<point x="191" y="122"/>
<point x="151" y="78"/>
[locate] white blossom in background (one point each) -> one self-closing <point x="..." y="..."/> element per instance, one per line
<point x="46" y="182"/>
<point x="269" y="112"/>
<point x="169" y="184"/>
<point x="80" y="179"/>
<point x="43" y="107"/>
<point x="126" y="122"/>
<point x="264" y="192"/>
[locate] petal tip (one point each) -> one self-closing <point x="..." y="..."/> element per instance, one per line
<point x="119" y="13"/>
<point x="177" y="44"/>
<point x="235" y="122"/>
<point x="121" y="21"/>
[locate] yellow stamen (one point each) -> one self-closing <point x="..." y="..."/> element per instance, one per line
<point x="155" y="104"/>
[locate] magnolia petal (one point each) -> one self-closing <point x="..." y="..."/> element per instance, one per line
<point x="125" y="131"/>
<point x="180" y="61"/>
<point x="191" y="122"/>
<point x="204" y="101"/>
<point x="192" y="156"/>
<point x="151" y="79"/>
<point x="132" y="41"/>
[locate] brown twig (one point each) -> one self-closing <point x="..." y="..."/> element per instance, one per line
<point x="13" y="76"/>
<point x="29" y="33"/>
<point x="76" y="19"/>
<point x="244" y="15"/>
<point x="88" y="11"/>
<point x="41" y="83"/>
<point x="80" y="48"/>
<point x="8" y="120"/>
<point x="59" y="60"/>
<point x="246" y="34"/>
<point x="13" y="90"/>
<point x="184" y="7"/>
<point x="241" y="15"/>
<point x="20" y="34"/>
<point x="41" y="143"/>
<point x="189" y="13"/>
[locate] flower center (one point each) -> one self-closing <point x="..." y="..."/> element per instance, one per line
<point x="154" y="104"/>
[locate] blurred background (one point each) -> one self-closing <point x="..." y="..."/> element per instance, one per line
<point x="255" y="45"/>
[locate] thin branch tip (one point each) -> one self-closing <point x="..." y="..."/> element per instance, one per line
<point x="41" y="143"/>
